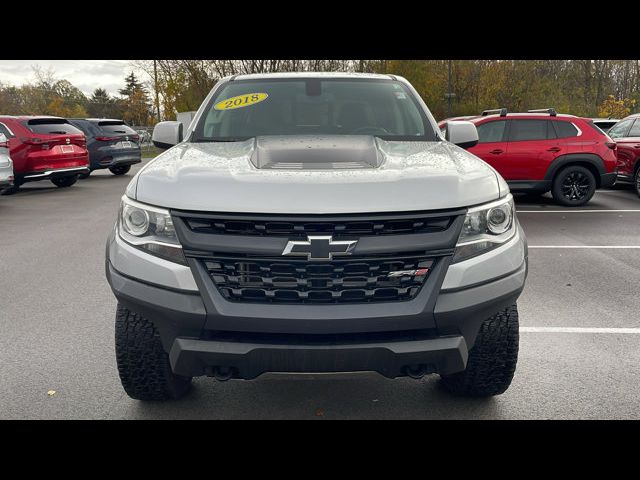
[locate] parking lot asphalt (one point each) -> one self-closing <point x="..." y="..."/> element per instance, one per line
<point x="57" y="324"/>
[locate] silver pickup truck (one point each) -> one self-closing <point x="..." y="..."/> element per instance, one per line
<point x="309" y="222"/>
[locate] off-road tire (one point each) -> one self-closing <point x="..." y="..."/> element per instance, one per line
<point x="583" y="176"/>
<point x="143" y="365"/>
<point x="64" y="182"/>
<point x="492" y="360"/>
<point x="120" y="169"/>
<point x="636" y="181"/>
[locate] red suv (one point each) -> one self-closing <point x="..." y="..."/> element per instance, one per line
<point x="626" y="134"/>
<point x="542" y="151"/>
<point x="45" y="148"/>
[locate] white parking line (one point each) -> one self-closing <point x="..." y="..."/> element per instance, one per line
<point x="618" y="247"/>
<point x="578" y="211"/>
<point x="578" y="330"/>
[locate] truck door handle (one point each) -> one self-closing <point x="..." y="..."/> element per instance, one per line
<point x="497" y="151"/>
<point x="554" y="149"/>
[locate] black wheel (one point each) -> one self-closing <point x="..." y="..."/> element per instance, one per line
<point x="84" y="176"/>
<point x="64" y="182"/>
<point x="143" y="364"/>
<point x="573" y="186"/>
<point x="120" y="169"/>
<point x="637" y="181"/>
<point x="492" y="360"/>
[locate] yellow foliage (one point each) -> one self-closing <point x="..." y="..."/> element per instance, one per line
<point x="613" y="108"/>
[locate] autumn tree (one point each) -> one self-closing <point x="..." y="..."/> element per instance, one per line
<point x="131" y="85"/>
<point x="136" y="104"/>
<point x="579" y="87"/>
<point x="613" y="108"/>
<point x="103" y="105"/>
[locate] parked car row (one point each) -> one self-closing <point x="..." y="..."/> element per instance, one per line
<point x="61" y="150"/>
<point x="542" y="151"/>
<point x="536" y="152"/>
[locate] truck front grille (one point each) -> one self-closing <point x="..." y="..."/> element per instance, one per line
<point x="272" y="280"/>
<point x="301" y="226"/>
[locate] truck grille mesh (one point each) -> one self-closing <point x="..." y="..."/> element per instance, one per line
<point x="350" y="280"/>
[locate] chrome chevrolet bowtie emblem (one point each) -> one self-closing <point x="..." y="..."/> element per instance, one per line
<point x="319" y="247"/>
<point x="68" y="141"/>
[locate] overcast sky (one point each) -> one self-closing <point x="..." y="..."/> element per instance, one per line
<point x="87" y="75"/>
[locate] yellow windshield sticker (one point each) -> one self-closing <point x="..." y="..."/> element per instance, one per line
<point x="241" y="101"/>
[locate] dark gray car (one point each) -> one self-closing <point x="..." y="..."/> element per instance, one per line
<point x="111" y="144"/>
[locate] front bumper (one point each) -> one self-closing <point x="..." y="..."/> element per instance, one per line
<point x="197" y="328"/>
<point x="249" y="359"/>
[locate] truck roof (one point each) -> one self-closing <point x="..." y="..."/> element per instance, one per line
<point x="265" y="76"/>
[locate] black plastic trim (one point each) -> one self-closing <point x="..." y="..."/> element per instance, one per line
<point x="173" y="313"/>
<point x="529" y="185"/>
<point x="444" y="355"/>
<point x="464" y="311"/>
<point x="572" y="158"/>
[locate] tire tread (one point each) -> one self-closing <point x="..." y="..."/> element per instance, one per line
<point x="492" y="360"/>
<point x="143" y="365"/>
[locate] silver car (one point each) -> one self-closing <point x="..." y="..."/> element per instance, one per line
<point x="316" y="223"/>
<point x="6" y="165"/>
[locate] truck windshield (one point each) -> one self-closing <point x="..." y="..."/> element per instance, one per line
<point x="244" y="109"/>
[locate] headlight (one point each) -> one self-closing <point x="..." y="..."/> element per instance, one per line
<point x="150" y="229"/>
<point x="486" y="227"/>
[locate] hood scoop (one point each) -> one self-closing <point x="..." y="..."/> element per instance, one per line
<point x="314" y="152"/>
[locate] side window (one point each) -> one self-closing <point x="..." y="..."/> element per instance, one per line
<point x="522" y="130"/>
<point x="620" y="129"/>
<point x="5" y="130"/>
<point x="635" y="129"/>
<point x="565" y="129"/>
<point x="491" y="131"/>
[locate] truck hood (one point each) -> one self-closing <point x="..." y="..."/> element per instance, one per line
<point x="315" y="175"/>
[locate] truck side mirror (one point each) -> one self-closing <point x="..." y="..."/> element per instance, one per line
<point x="167" y="134"/>
<point x="461" y="133"/>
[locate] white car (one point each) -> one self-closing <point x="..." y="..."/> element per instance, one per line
<point x="6" y="165"/>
